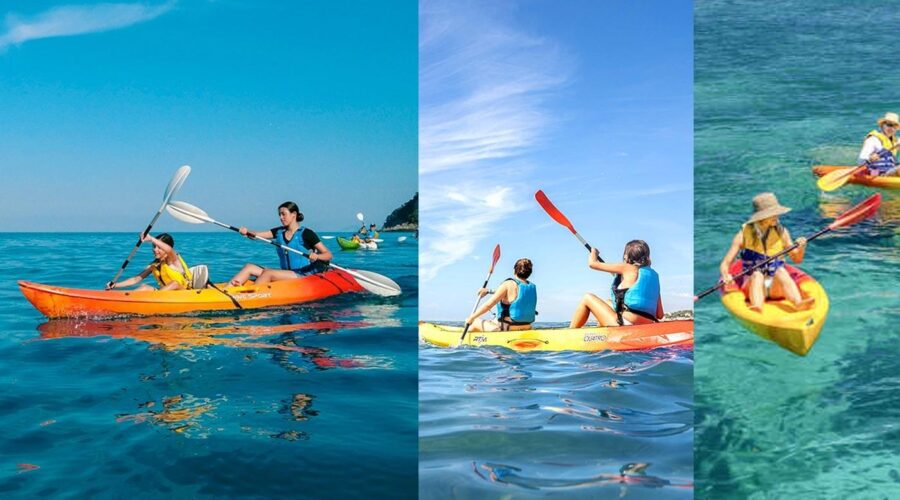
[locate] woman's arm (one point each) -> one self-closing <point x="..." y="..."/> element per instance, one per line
<point x="736" y="245"/>
<point x="869" y="148"/>
<point x="134" y="280"/>
<point x="324" y="254"/>
<point x="263" y="234"/>
<point x="487" y="306"/>
<point x="796" y="254"/>
<point x="595" y="264"/>
<point x="162" y="245"/>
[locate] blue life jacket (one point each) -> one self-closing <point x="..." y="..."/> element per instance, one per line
<point x="522" y="310"/>
<point x="291" y="261"/>
<point x="642" y="297"/>
<point x="884" y="163"/>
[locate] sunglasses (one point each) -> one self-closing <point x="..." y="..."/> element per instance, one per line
<point x="892" y="125"/>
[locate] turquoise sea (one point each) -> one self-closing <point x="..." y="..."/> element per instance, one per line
<point x="316" y="400"/>
<point x="780" y="87"/>
<point x="494" y="423"/>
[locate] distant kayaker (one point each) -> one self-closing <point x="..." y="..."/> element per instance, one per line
<point x="290" y="234"/>
<point x="759" y="238"/>
<point x="372" y="233"/>
<point x="515" y="300"/>
<point x="169" y="269"/>
<point x="880" y="146"/>
<point x="635" y="290"/>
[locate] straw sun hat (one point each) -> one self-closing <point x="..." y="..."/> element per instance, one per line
<point x="766" y="205"/>
<point x="889" y="118"/>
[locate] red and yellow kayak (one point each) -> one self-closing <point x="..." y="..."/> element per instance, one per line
<point x="59" y="302"/>
<point x="889" y="182"/>
<point x="608" y="338"/>
<point x="779" y="321"/>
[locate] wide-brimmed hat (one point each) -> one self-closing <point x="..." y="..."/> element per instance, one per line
<point x="889" y="117"/>
<point x="766" y="205"/>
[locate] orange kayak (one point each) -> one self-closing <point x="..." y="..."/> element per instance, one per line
<point x="888" y="182"/>
<point x="59" y="302"/>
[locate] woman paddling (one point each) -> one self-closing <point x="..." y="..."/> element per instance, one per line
<point x="290" y="234"/>
<point x="880" y="146"/>
<point x="169" y="269"/>
<point x="759" y="238"/>
<point x="635" y="291"/>
<point x="515" y="299"/>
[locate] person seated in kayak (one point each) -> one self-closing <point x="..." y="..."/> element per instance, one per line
<point x="169" y="269"/>
<point x="372" y="233"/>
<point x="761" y="237"/>
<point x="290" y="234"/>
<point x="515" y="300"/>
<point x="360" y="235"/>
<point x="879" y="149"/>
<point x="635" y="291"/>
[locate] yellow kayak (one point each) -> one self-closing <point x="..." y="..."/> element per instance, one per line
<point x="614" y="338"/>
<point x="779" y="321"/>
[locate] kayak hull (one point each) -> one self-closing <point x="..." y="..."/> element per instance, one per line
<point x="346" y="244"/>
<point x="59" y="302"/>
<point x="889" y="182"/>
<point x="796" y="331"/>
<point x="623" y="338"/>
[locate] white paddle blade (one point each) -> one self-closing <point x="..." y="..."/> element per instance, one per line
<point x="402" y="238"/>
<point x="176" y="182"/>
<point x="185" y="212"/>
<point x="327" y="237"/>
<point x="360" y="217"/>
<point x="376" y="283"/>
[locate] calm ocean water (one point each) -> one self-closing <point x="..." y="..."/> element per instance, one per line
<point x="498" y="424"/>
<point x="316" y="400"/>
<point x="778" y="88"/>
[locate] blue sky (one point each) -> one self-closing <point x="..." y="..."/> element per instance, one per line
<point x="589" y="101"/>
<point x="314" y="102"/>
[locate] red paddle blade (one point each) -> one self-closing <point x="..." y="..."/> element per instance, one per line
<point x="496" y="257"/>
<point x="552" y="211"/>
<point x="864" y="210"/>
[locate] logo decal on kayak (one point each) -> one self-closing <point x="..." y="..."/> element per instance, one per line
<point x="251" y="296"/>
<point x="595" y="337"/>
<point x="479" y="339"/>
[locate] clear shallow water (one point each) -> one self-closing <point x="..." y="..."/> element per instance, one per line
<point x="495" y="423"/>
<point x="316" y="399"/>
<point x="778" y="89"/>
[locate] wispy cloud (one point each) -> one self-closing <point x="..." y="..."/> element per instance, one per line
<point x="484" y="88"/>
<point x="467" y="216"/>
<point x="77" y="20"/>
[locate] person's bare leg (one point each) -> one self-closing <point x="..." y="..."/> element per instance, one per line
<point x="241" y="277"/>
<point x="591" y="304"/>
<point x="757" y="291"/>
<point x="270" y="275"/>
<point x="789" y="289"/>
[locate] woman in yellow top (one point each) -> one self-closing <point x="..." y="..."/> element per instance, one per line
<point x="169" y="269"/>
<point x="761" y="237"/>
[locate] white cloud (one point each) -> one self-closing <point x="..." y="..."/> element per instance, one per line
<point x="455" y="226"/>
<point x="77" y="20"/>
<point x="484" y="89"/>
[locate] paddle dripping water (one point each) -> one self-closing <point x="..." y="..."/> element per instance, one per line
<point x="232" y="403"/>
<point x="771" y="424"/>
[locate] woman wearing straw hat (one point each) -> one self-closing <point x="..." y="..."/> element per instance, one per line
<point x="759" y="238"/>
<point x="880" y="146"/>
